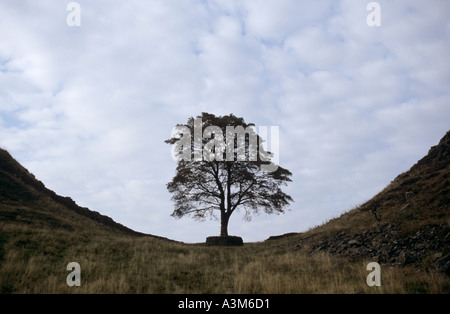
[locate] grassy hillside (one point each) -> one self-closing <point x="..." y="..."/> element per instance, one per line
<point x="416" y="198"/>
<point x="41" y="232"/>
<point x="408" y="223"/>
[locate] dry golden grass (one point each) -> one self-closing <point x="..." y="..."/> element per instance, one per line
<point x="35" y="262"/>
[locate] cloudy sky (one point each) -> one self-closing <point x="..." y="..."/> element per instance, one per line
<point x="87" y="108"/>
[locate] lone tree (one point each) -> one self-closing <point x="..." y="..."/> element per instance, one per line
<point x="223" y="174"/>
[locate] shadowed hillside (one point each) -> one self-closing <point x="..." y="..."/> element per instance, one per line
<point x="19" y="187"/>
<point x="406" y="223"/>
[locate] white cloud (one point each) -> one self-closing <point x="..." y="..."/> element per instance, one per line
<point x="278" y="19"/>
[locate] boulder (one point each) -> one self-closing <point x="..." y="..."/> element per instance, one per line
<point x="354" y="243"/>
<point x="437" y="256"/>
<point x="406" y="258"/>
<point x="224" y="241"/>
<point x="444" y="264"/>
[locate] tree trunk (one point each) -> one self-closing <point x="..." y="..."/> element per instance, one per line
<point x="225" y="214"/>
<point x="224" y="218"/>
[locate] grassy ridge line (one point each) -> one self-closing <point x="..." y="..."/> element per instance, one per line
<point x="414" y="199"/>
<point x="19" y="184"/>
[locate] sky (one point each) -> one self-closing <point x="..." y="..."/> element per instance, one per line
<point x="86" y="108"/>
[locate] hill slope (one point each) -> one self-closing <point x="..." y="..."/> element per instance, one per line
<point x="406" y="223"/>
<point x="25" y="199"/>
<point x="41" y="232"/>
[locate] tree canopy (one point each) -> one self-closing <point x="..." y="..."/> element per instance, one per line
<point x="222" y="167"/>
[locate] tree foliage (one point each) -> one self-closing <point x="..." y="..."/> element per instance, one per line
<point x="202" y="188"/>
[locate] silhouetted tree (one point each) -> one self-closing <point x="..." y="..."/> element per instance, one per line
<point x="217" y="173"/>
